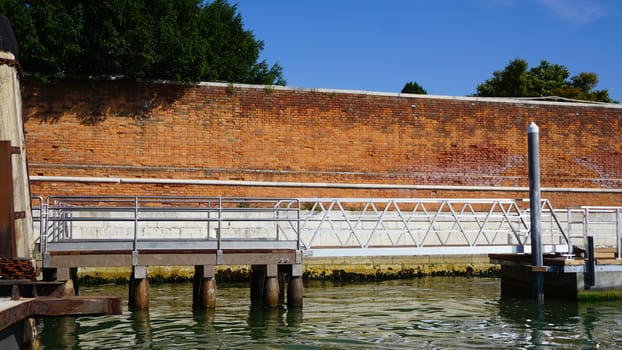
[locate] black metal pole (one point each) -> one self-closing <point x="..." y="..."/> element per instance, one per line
<point x="537" y="260"/>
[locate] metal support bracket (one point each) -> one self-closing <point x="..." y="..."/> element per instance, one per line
<point x="140" y="272"/>
<point x="219" y="257"/>
<point x="297" y="270"/>
<point x="299" y="257"/>
<point x="19" y="215"/>
<point x="16" y="150"/>
<point x="46" y="259"/>
<point x="134" y="258"/>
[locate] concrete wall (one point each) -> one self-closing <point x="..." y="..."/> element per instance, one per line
<point x="239" y="140"/>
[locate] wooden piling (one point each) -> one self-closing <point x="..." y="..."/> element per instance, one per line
<point x="257" y="279"/>
<point x="11" y="129"/>
<point x="294" y="292"/>
<point x="204" y="287"/>
<point x="139" y="288"/>
<point x="271" y="287"/>
<point x="283" y="272"/>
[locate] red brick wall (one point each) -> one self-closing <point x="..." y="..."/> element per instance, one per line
<point x="226" y="132"/>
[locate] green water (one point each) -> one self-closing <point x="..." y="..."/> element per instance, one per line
<point x="431" y="313"/>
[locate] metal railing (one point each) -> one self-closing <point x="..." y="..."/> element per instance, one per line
<point x="136" y="219"/>
<point x="421" y="223"/>
<point x="314" y="223"/>
<point x="602" y="223"/>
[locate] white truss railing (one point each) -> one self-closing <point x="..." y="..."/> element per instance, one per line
<point x="369" y="223"/>
<point x="345" y="226"/>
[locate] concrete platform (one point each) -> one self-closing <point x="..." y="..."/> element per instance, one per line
<point x="564" y="279"/>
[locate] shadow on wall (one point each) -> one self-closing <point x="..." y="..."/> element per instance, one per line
<point x="102" y="99"/>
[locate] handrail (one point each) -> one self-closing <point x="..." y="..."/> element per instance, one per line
<point x="420" y="222"/>
<point x="171" y="212"/>
<point x="602" y="222"/>
<point x="318" y="223"/>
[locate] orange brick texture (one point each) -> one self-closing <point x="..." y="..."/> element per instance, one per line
<point x="227" y="132"/>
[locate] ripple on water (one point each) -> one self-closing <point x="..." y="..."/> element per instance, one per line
<point x="427" y="313"/>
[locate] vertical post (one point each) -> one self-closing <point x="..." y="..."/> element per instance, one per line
<point x="218" y="235"/>
<point x="258" y="277"/>
<point x="8" y="244"/>
<point x="204" y="287"/>
<point x="619" y="233"/>
<point x="590" y="264"/>
<point x="139" y="289"/>
<point x="135" y="224"/>
<point x="536" y="211"/>
<point x="271" y="287"/>
<point x="12" y="130"/>
<point x="295" y="287"/>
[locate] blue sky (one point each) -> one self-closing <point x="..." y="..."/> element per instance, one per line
<point x="447" y="46"/>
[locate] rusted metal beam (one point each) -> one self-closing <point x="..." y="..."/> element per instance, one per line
<point x="12" y="312"/>
<point x="77" y="306"/>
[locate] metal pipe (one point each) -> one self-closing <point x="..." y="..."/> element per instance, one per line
<point x="536" y="210"/>
<point x="590" y="269"/>
<point x="219" y="234"/>
<point x="619" y="233"/>
<point x="135" y="224"/>
<point x="311" y="184"/>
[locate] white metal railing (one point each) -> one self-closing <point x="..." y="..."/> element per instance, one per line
<point x="365" y="223"/>
<point x="602" y="223"/>
<point x="100" y="219"/>
<point x="314" y="223"/>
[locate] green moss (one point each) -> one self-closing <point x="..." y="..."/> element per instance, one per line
<point x="600" y="295"/>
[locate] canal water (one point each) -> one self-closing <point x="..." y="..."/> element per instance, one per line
<point x="428" y="313"/>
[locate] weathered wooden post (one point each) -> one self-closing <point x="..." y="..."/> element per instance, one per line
<point x="139" y="288"/>
<point x="295" y="287"/>
<point x="294" y="292"/>
<point x="204" y="287"/>
<point x="271" y="287"/>
<point x="536" y="211"/>
<point x="258" y="277"/>
<point x="11" y="129"/>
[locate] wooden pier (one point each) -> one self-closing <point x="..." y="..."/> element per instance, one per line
<point x="273" y="263"/>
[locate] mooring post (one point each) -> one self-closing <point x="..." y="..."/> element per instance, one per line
<point x="619" y="233"/>
<point x="536" y="211"/>
<point x="139" y="288"/>
<point x="271" y="287"/>
<point x="258" y="276"/>
<point x="204" y="287"/>
<point x="590" y="264"/>
<point x="15" y="212"/>
<point x="295" y="287"/>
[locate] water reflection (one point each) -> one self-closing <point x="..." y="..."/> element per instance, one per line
<point x="68" y="339"/>
<point x="554" y="323"/>
<point x="429" y="313"/>
<point x="273" y="322"/>
<point x="141" y="326"/>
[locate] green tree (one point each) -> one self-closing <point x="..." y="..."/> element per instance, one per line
<point x="413" y="88"/>
<point x="183" y="40"/>
<point x="542" y="81"/>
<point x="512" y="81"/>
<point x="546" y="78"/>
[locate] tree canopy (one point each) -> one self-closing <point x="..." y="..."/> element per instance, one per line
<point x="413" y="88"/>
<point x="182" y="40"/>
<point x="542" y="81"/>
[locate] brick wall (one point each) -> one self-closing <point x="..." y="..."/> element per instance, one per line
<point x="263" y="134"/>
